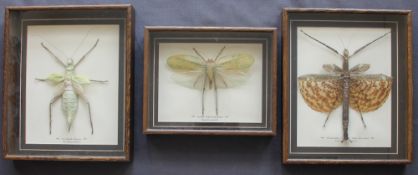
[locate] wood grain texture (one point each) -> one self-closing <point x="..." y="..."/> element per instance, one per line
<point x="11" y="76"/>
<point x="382" y="85"/>
<point x="147" y="72"/>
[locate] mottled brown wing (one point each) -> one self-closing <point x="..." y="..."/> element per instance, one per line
<point x="323" y="93"/>
<point x="369" y="92"/>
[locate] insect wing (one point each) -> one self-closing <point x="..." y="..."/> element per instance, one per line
<point x="185" y="63"/>
<point x="82" y="80"/>
<point x="369" y="92"/>
<point x="322" y="93"/>
<point x="190" y="70"/>
<point x="232" y="70"/>
<point x="55" y="78"/>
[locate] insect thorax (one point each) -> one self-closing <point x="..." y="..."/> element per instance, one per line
<point x="210" y="71"/>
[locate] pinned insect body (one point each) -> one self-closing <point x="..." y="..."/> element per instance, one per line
<point x="349" y="87"/>
<point x="70" y="88"/>
<point x="219" y="72"/>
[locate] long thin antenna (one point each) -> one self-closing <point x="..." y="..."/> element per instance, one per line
<point x="81" y="43"/>
<point x="320" y="42"/>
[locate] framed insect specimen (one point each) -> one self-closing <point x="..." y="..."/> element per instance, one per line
<point x="67" y="83"/>
<point x="208" y="80"/>
<point x="347" y="86"/>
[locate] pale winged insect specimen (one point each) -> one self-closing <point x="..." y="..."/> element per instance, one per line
<point x="361" y="92"/>
<point x="70" y="87"/>
<point x="213" y="73"/>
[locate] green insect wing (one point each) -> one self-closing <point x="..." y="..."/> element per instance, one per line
<point x="79" y="79"/>
<point x="55" y="78"/>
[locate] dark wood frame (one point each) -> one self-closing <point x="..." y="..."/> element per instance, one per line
<point x="409" y="87"/>
<point x="146" y="90"/>
<point x="11" y="69"/>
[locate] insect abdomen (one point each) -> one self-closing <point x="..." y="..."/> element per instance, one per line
<point x="69" y="105"/>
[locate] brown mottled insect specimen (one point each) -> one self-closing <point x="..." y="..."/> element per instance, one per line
<point x="346" y="86"/>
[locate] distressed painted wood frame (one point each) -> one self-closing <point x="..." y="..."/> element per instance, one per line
<point x="107" y="23"/>
<point x="310" y="36"/>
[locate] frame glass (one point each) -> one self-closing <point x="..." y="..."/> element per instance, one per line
<point x="67" y="83"/>
<point x="203" y="80"/>
<point x="344" y="73"/>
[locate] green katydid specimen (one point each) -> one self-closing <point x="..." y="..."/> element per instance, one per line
<point x="213" y="73"/>
<point x="70" y="88"/>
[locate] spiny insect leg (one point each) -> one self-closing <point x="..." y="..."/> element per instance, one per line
<point x="53" y="100"/>
<point x="87" y="53"/>
<point x="53" y="55"/>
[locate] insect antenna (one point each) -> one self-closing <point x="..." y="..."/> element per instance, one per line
<point x="361" y="48"/>
<point x="320" y="42"/>
<point x="220" y="52"/>
<point x="198" y="54"/>
<point x="81" y="43"/>
<point x="341" y="41"/>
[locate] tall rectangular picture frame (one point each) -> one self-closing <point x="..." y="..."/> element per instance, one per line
<point x="67" y="83"/>
<point x="347" y="86"/>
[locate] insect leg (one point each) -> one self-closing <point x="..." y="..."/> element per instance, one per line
<point x="80" y="93"/>
<point x="220" y="52"/>
<point x="326" y="119"/>
<point x="320" y="42"/>
<point x="223" y="80"/>
<point x="87" y="53"/>
<point x="197" y="80"/>
<point x="361" y="48"/>
<point x="99" y="81"/>
<point x="53" y="55"/>
<point x="216" y="93"/>
<point x="197" y="53"/>
<point x="41" y="79"/>
<point x="361" y="115"/>
<point x="203" y="94"/>
<point x="82" y="96"/>
<point x="53" y="100"/>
